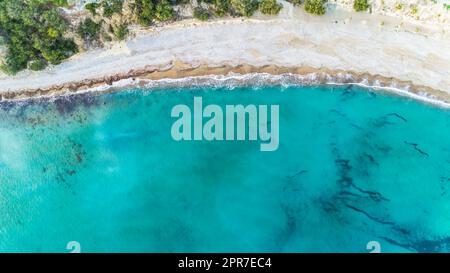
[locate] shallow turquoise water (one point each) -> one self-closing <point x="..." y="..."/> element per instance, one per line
<point x="353" y="166"/>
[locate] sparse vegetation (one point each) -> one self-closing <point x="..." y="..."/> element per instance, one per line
<point x="121" y="31"/>
<point x="317" y="7"/>
<point x="89" y="31"/>
<point x="35" y="32"/>
<point x="111" y="7"/>
<point x="92" y="8"/>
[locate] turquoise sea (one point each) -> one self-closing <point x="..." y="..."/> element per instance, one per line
<point x="353" y="166"/>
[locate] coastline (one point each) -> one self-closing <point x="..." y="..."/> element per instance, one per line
<point x="341" y="47"/>
<point x="178" y="75"/>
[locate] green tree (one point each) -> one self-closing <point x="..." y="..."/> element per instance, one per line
<point x="34" y="34"/>
<point x="360" y="5"/>
<point x="316" y="7"/>
<point x="57" y="51"/>
<point x="270" y="7"/>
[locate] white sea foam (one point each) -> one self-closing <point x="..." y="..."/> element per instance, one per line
<point x="234" y="80"/>
<point x="255" y="80"/>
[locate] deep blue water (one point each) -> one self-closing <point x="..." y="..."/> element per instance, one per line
<point x="353" y="166"/>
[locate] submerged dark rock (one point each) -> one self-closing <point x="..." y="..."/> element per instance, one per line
<point x="378" y="220"/>
<point x="416" y="147"/>
<point x="297" y="174"/>
<point x="398" y="116"/>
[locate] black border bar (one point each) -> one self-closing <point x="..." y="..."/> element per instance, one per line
<point x="237" y="262"/>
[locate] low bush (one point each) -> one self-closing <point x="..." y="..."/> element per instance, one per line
<point x="201" y="14"/>
<point x="317" y="7"/>
<point x="360" y="5"/>
<point x="89" y="31"/>
<point x="245" y="7"/>
<point x="270" y="7"/>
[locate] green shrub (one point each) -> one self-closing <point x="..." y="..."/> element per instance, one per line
<point x="92" y="8"/>
<point x="16" y="59"/>
<point x="164" y="11"/>
<point x="67" y="48"/>
<point x="144" y="11"/>
<point x="245" y="7"/>
<point x="121" y="32"/>
<point x="89" y="30"/>
<point x="201" y="14"/>
<point x="316" y="7"/>
<point x="360" y="5"/>
<point x="34" y="34"/>
<point x="270" y="7"/>
<point x="110" y="7"/>
<point x="221" y="7"/>
<point x="37" y="65"/>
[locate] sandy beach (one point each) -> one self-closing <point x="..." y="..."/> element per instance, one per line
<point x="373" y="49"/>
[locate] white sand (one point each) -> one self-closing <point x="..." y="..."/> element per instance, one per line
<point x="358" y="42"/>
